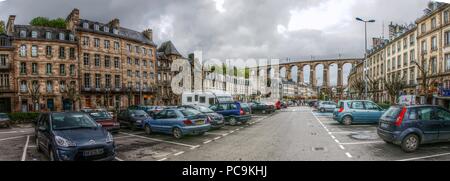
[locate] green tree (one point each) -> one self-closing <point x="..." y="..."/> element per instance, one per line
<point x="46" y="22"/>
<point x="58" y="23"/>
<point x="2" y="26"/>
<point x="394" y="86"/>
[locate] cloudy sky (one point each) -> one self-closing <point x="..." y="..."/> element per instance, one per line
<point x="222" y="29"/>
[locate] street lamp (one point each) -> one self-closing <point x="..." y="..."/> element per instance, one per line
<point x="365" y="52"/>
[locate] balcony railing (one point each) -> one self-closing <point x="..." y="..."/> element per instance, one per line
<point x="6" y="89"/>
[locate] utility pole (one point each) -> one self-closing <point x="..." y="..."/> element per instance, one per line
<point x="365" y="54"/>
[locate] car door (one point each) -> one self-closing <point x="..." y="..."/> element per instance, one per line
<point x="443" y="116"/>
<point x="169" y="121"/>
<point x="155" y="123"/>
<point x="373" y="112"/>
<point x="358" y="111"/>
<point x="428" y="124"/>
<point x="44" y="133"/>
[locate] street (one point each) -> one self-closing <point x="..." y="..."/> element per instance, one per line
<point x="293" y="134"/>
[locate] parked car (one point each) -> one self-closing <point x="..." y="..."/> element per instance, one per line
<point x="284" y="105"/>
<point x="312" y="103"/>
<point x="411" y="126"/>
<point x="216" y="120"/>
<point x="133" y="119"/>
<point x="233" y="112"/>
<point x="351" y="112"/>
<point x="73" y="136"/>
<point x="326" y="106"/>
<point x="178" y="122"/>
<point x="106" y="120"/>
<point x="4" y="120"/>
<point x="278" y="105"/>
<point x="263" y="108"/>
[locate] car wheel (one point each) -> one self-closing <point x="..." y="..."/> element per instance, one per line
<point x="38" y="147"/>
<point x="177" y="133"/>
<point x="347" y="120"/>
<point x="232" y="121"/>
<point x="410" y="143"/>
<point x="148" y="129"/>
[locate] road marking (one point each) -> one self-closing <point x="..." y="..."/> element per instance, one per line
<point x="342" y="147"/>
<point x="226" y="134"/>
<point x="333" y="137"/>
<point x="348" y="155"/>
<point x="362" y="143"/>
<point x="216" y="138"/>
<point x="120" y="137"/>
<point x="206" y="142"/>
<point x="118" y="159"/>
<point x="237" y="129"/>
<point x="12" y="138"/>
<point x="153" y="139"/>
<point x="217" y="134"/>
<point x="179" y="153"/>
<point x="194" y="147"/>
<point x="344" y="132"/>
<point x="10" y="132"/>
<point x="242" y="127"/>
<point x="231" y="131"/>
<point x="337" y="141"/>
<point x="162" y="159"/>
<point x="24" y="154"/>
<point x="419" y="158"/>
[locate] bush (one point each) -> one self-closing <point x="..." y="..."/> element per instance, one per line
<point x="21" y="117"/>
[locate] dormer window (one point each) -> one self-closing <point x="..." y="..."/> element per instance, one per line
<point x="115" y="31"/>
<point x="96" y="27"/>
<point x="62" y="36"/>
<point x="48" y="35"/>
<point x="106" y="29"/>
<point x="86" y="25"/>
<point x="34" y="34"/>
<point x="71" y="37"/>
<point x="23" y="33"/>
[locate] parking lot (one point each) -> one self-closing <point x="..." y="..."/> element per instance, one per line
<point x="294" y="134"/>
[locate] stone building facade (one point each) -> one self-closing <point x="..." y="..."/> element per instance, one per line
<point x="166" y="53"/>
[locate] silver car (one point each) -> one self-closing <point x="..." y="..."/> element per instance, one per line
<point x="326" y="106"/>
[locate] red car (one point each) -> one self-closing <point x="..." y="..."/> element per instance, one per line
<point x="278" y="105"/>
<point x="106" y="120"/>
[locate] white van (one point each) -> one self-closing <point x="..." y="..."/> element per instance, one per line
<point x="206" y="98"/>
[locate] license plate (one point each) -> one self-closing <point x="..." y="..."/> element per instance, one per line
<point x="199" y="122"/>
<point x="384" y="125"/>
<point x="93" y="152"/>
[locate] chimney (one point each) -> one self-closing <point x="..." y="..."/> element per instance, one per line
<point x="148" y="33"/>
<point x="10" y="25"/>
<point x="73" y="20"/>
<point x="115" y="23"/>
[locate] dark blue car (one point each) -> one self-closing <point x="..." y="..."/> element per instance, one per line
<point x="412" y="126"/>
<point x="233" y="112"/>
<point x="73" y="137"/>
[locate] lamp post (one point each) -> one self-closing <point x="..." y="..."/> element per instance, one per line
<point x="365" y="53"/>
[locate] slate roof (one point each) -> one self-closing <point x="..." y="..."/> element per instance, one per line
<point x="168" y="48"/>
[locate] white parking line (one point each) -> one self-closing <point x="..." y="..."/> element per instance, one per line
<point x="10" y="132"/>
<point x="120" y="137"/>
<point x="162" y="159"/>
<point x="348" y="155"/>
<point x="195" y="147"/>
<point x="24" y="154"/>
<point x="342" y="147"/>
<point x="206" y="142"/>
<point x="216" y="138"/>
<point x="362" y="143"/>
<point x="153" y="139"/>
<point x="179" y="153"/>
<point x="12" y="138"/>
<point x="217" y="134"/>
<point x="231" y="131"/>
<point x="226" y="134"/>
<point x="424" y="157"/>
<point x="118" y="159"/>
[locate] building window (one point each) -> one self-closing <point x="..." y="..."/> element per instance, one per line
<point x="412" y="56"/>
<point x="399" y="61"/>
<point x="433" y="43"/>
<point x="3" y="59"/>
<point x="34" y="34"/>
<point x="71" y="37"/>
<point x="49" y="86"/>
<point x="62" y="85"/>
<point x="86" y="59"/>
<point x="423" y="28"/>
<point x="129" y="48"/>
<point x="87" y="80"/>
<point x="62" y="69"/>
<point x="136" y="61"/>
<point x="108" y="81"/>
<point x="433" y="23"/>
<point x="116" y="62"/>
<point x="412" y="40"/>
<point x="433" y="65"/>
<point x="98" y="79"/>
<point x="116" y="45"/>
<point x="405" y="43"/>
<point x="96" y="42"/>
<point x="150" y="52"/>
<point x="145" y="75"/>
<point x="107" y="44"/>
<point x="129" y="73"/>
<point x="129" y="60"/>
<point x="72" y="69"/>
<point x="23" y="51"/>
<point x="96" y="27"/>
<point x="48" y="69"/>
<point x="34" y="51"/>
<point x="72" y="53"/>
<point x="447" y="38"/>
<point x="144" y="51"/>
<point x="34" y="68"/>
<point x="62" y="36"/>
<point x="447" y="62"/>
<point x="446" y="17"/>
<point x="107" y="61"/>
<point x="97" y="60"/>
<point x="115" y="31"/>
<point x="85" y="41"/>
<point x="117" y="81"/>
<point x="23" y="34"/>
<point x="136" y="49"/>
<point x="405" y="59"/>
<point x="144" y="62"/>
<point x="424" y="47"/>
<point x="48" y="51"/>
<point x="399" y="46"/>
<point x="106" y="29"/>
<point x="23" y="68"/>
<point x="86" y="25"/>
<point x="138" y="74"/>
<point x="23" y="86"/>
<point x="62" y="52"/>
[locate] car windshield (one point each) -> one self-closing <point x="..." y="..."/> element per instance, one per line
<point x="392" y="112"/>
<point x="3" y="116"/>
<point x="205" y="109"/>
<point x="139" y="114"/>
<point x="62" y="121"/>
<point x="189" y="112"/>
<point x="100" y="115"/>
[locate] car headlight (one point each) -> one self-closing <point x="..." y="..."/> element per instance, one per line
<point x="109" y="138"/>
<point x="62" y="142"/>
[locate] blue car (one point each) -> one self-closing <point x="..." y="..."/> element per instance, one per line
<point x="73" y="137"/>
<point x="357" y="112"/>
<point x="233" y="112"/>
<point x="178" y="122"/>
<point x="412" y="126"/>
